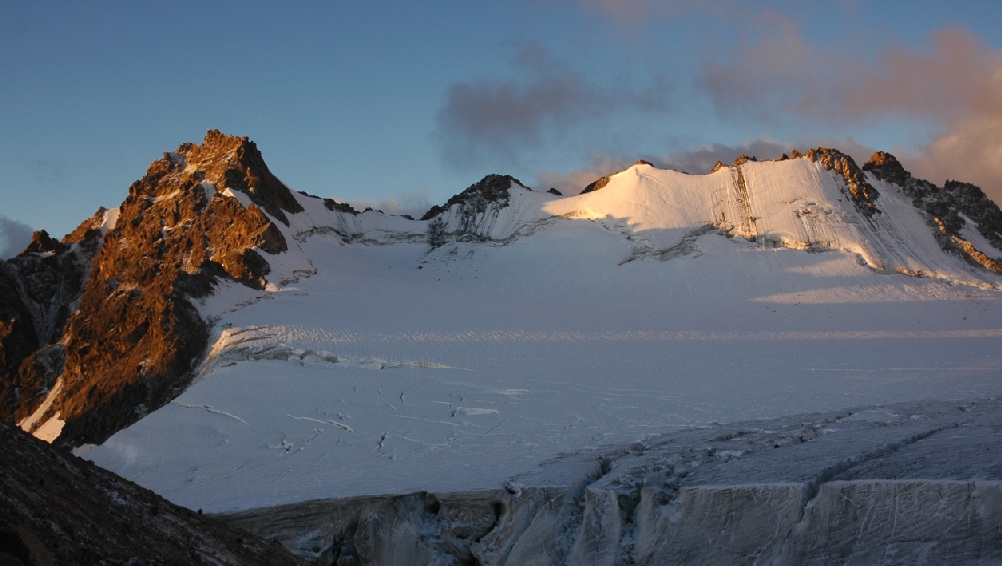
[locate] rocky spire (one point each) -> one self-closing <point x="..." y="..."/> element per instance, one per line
<point x="135" y="331"/>
<point x="886" y="167"/>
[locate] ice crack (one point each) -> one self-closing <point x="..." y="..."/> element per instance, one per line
<point x="210" y="409"/>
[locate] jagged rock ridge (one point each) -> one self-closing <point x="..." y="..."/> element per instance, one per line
<point x="41" y="288"/>
<point x="472" y="214"/>
<point x="492" y="188"/>
<point x="134" y="333"/>
<point x="948" y="205"/>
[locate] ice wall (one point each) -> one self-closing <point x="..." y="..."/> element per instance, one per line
<point x="910" y="483"/>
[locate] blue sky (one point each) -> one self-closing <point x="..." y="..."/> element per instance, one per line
<point x="401" y="105"/>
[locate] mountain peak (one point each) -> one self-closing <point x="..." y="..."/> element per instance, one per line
<point x="201" y="213"/>
<point x="228" y="162"/>
<point x="493" y="188"/>
<point x="886" y="167"/>
<point x="42" y="242"/>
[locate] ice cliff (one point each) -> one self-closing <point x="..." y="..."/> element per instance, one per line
<point x="908" y="483"/>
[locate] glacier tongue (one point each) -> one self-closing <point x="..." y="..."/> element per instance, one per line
<point x="908" y="483"/>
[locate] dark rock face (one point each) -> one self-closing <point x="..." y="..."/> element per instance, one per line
<point x="863" y="195"/>
<point x="134" y="334"/>
<point x="886" y="167"/>
<point x="491" y="189"/>
<point x="235" y="162"/>
<point x="18" y="340"/>
<point x="948" y="206"/>
<point x="596" y="185"/>
<point x="56" y="508"/>
<point x="39" y="289"/>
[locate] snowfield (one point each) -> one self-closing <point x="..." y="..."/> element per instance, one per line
<point x="374" y="364"/>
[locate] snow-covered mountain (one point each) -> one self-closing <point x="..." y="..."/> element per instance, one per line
<point x="261" y="346"/>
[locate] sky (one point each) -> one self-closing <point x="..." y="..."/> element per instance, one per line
<point x="400" y="105"/>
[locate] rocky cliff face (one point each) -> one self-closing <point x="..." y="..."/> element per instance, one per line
<point x="950" y="207"/>
<point x="492" y="189"/>
<point x="113" y="329"/>
<point x="41" y="288"/>
<point x="863" y="194"/>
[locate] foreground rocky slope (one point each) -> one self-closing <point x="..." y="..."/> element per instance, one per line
<point x="58" y="509"/>
<point x="901" y="484"/>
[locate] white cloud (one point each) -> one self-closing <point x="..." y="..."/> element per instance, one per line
<point x="14" y="237"/>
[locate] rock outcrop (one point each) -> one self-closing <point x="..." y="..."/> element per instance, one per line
<point x="40" y="288"/>
<point x="492" y="189"/>
<point x="948" y="207"/>
<point x="115" y="324"/>
<point x="863" y="195"/>
<point x="472" y="215"/>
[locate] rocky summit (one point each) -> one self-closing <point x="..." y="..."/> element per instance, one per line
<point x="106" y="315"/>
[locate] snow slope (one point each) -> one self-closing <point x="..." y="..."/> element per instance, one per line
<point x="374" y="364"/>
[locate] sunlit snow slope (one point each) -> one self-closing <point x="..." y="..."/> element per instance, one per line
<point x="374" y="363"/>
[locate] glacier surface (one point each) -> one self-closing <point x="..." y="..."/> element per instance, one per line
<point x="375" y="365"/>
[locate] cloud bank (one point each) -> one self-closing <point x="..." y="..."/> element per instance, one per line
<point x="14" y="237"/>
<point x="775" y="78"/>
<point x="503" y="118"/>
<point x="954" y="85"/>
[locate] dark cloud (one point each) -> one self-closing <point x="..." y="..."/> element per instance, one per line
<point x="14" y="237"/>
<point x="970" y="147"/>
<point x="503" y="119"/>
<point x="770" y="73"/>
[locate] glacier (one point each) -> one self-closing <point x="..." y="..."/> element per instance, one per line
<point x="374" y="368"/>
<point x="897" y="484"/>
